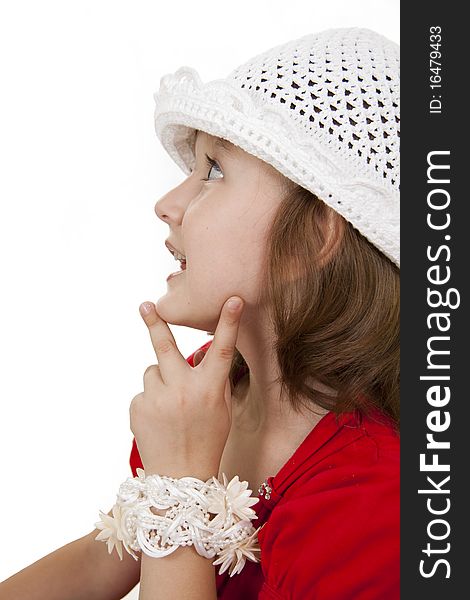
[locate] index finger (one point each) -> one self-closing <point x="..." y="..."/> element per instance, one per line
<point x="170" y="359"/>
<point x="218" y="359"/>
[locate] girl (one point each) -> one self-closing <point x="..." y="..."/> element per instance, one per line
<point x="291" y="204"/>
<point x="290" y="207"/>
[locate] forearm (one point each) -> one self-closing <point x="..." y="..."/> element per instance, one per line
<point x="58" y="576"/>
<point x="184" y="574"/>
<point x="80" y="569"/>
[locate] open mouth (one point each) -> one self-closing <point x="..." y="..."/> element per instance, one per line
<point x="182" y="266"/>
<point x="182" y="262"/>
<point x="181" y="258"/>
<point x="183" y="269"/>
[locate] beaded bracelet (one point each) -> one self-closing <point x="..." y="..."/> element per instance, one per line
<point x="190" y="503"/>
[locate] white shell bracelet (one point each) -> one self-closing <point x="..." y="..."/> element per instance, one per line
<point x="190" y="502"/>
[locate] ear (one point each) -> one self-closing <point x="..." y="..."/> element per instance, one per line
<point x="333" y="231"/>
<point x="332" y="226"/>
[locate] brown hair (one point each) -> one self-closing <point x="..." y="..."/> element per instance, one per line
<point x="335" y="302"/>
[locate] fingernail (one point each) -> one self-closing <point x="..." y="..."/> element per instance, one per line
<point x="146" y="308"/>
<point x="234" y="303"/>
<point x="199" y="356"/>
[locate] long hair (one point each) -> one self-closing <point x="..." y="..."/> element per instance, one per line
<point x="335" y="308"/>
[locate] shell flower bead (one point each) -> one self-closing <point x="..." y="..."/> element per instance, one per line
<point x="113" y="533"/>
<point x="234" y="498"/>
<point x="234" y="558"/>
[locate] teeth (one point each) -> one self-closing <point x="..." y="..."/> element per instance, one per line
<point x="177" y="255"/>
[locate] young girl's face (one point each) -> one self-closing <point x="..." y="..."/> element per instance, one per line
<point x="220" y="225"/>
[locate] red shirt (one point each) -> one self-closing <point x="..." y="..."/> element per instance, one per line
<point x="332" y="523"/>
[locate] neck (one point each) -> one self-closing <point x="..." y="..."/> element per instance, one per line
<point x="260" y="408"/>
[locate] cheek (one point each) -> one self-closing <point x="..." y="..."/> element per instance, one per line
<point x="229" y="266"/>
<point x="226" y="249"/>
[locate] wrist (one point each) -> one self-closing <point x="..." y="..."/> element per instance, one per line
<point x="214" y="517"/>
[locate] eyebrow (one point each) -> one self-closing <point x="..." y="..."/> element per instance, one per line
<point x="221" y="144"/>
<point x="224" y="145"/>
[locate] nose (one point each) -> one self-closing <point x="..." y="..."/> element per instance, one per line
<point x="172" y="206"/>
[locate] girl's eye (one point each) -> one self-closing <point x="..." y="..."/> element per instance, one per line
<point x="212" y="164"/>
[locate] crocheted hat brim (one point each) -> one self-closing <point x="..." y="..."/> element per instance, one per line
<point x="185" y="104"/>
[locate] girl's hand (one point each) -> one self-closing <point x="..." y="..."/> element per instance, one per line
<point x="182" y="419"/>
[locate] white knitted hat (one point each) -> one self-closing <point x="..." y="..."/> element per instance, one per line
<point x="323" y="110"/>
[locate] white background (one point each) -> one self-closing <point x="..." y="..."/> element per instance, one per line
<point x="80" y="245"/>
